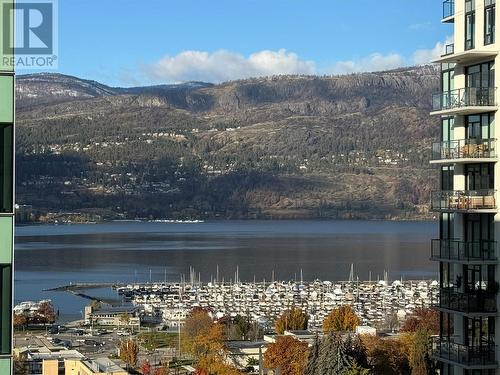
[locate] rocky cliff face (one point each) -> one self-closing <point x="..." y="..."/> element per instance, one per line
<point x="294" y="146"/>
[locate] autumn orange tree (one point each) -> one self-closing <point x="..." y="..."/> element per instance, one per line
<point x="20" y="320"/>
<point x="290" y="320"/>
<point x="209" y="348"/>
<point x="128" y="352"/>
<point x="197" y="321"/>
<point x="341" y="319"/>
<point x="205" y="341"/>
<point x="422" y="318"/>
<point x="287" y="354"/>
<point x="161" y="371"/>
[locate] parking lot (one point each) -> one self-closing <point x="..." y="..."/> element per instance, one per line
<point x="95" y="344"/>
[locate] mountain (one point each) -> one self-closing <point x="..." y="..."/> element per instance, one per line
<point x="353" y="146"/>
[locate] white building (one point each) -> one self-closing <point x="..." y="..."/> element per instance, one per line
<point x="467" y="157"/>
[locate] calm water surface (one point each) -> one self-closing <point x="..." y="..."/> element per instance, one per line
<point x="50" y="256"/>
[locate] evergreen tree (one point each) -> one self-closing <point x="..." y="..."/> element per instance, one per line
<point x="356" y="369"/>
<point x="333" y="358"/>
<point x="356" y="350"/>
<point x="313" y="361"/>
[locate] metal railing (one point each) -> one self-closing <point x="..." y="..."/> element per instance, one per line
<point x="448" y="8"/>
<point x="464" y="251"/>
<point x="463" y="200"/>
<point x="464" y="149"/>
<point x="449" y="49"/>
<point x="466" y="97"/>
<point x="483" y="355"/>
<point x="477" y="301"/>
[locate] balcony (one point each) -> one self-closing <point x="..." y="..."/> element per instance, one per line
<point x="464" y="101"/>
<point x="448" y="11"/>
<point x="466" y="57"/>
<point x="480" y="357"/>
<point x="464" y="252"/>
<point x="463" y="151"/>
<point x="480" y="201"/>
<point x="478" y="302"/>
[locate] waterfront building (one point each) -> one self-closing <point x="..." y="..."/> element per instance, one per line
<point x="127" y="316"/>
<point x="7" y="99"/>
<point x="466" y="201"/>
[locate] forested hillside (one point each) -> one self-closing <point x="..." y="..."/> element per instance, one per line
<point x="353" y="146"/>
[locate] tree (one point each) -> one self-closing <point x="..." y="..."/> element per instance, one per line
<point x="341" y="319"/>
<point x="287" y="354"/>
<point x="196" y="322"/>
<point x="333" y="357"/>
<point x="386" y="356"/>
<point x="146" y="367"/>
<point x="160" y="371"/>
<point x="210" y="340"/>
<point x="124" y="318"/>
<point x="20" y="320"/>
<point x="313" y="360"/>
<point x="45" y="313"/>
<point x="243" y="326"/>
<point x="19" y="365"/>
<point x="356" y="351"/>
<point x="291" y="320"/>
<point x="356" y="369"/>
<point x="207" y="345"/>
<point x="422" y="318"/>
<point x="419" y="352"/>
<point x="128" y="352"/>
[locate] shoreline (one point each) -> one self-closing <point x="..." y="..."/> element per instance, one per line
<point x="195" y="221"/>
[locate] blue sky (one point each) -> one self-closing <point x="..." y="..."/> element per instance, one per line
<point x="124" y="42"/>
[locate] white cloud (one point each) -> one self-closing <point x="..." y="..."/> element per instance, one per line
<point x="374" y="62"/>
<point x="224" y="65"/>
<point x="425" y="56"/>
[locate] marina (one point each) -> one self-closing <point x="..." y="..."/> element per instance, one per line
<point x="380" y="304"/>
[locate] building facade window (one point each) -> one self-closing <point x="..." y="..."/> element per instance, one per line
<point x="447" y="77"/>
<point x="6" y="167"/>
<point x="479" y="227"/>
<point x="489" y="22"/>
<point x="480" y="126"/>
<point x="480" y="75"/>
<point x="470" y="24"/>
<point x="447" y="127"/>
<point x="479" y="176"/>
<point x="447" y="173"/>
<point x="5" y="308"/>
<point x="479" y="332"/>
<point x="446" y="226"/>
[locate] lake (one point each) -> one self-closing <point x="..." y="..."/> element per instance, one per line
<point x="51" y="256"/>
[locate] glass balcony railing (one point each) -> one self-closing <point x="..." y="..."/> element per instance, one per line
<point x="448" y="349"/>
<point x="448" y="8"/>
<point x="477" y="301"/>
<point x="464" y="149"/>
<point x="454" y="250"/>
<point x="463" y="200"/>
<point x="467" y="97"/>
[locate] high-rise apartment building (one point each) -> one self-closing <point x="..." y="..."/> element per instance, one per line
<point x="467" y="157"/>
<point x="6" y="182"/>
